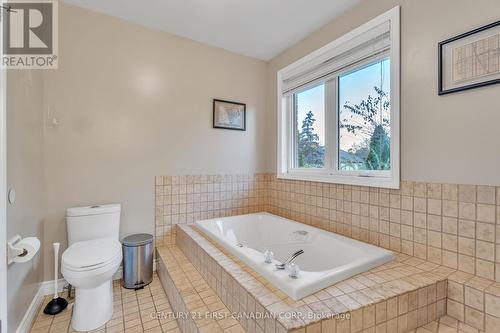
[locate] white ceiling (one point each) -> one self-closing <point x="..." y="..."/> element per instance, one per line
<point x="256" y="28"/>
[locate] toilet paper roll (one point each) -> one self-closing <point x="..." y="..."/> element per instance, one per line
<point x="31" y="244"/>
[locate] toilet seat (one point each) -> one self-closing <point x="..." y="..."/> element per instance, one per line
<point x="91" y="255"/>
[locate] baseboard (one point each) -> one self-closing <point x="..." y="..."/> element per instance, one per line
<point x="47" y="288"/>
<point x="29" y="316"/>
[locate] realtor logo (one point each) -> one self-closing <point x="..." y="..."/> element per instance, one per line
<point x="30" y="35"/>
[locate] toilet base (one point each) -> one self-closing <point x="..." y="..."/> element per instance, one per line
<point x="93" y="307"/>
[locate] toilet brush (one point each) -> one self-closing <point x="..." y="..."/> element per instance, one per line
<point x="57" y="304"/>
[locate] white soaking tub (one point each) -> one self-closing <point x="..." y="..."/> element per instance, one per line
<point x="328" y="257"/>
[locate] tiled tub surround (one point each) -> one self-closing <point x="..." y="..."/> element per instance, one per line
<point x="457" y="226"/>
<point x="191" y="296"/>
<point x="186" y="199"/>
<point x="396" y="297"/>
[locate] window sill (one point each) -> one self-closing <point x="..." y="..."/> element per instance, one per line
<point x="373" y="181"/>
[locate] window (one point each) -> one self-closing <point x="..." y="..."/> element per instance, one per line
<point x="339" y="109"/>
<point x="364" y="118"/>
<point x="309" y="121"/>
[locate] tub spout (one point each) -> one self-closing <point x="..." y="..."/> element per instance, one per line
<point x="289" y="260"/>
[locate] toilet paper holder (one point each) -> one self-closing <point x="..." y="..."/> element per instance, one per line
<point x="13" y="251"/>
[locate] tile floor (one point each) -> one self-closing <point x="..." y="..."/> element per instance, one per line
<point x="134" y="312"/>
<point x="134" y="309"/>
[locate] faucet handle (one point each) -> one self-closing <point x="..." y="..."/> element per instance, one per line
<point x="268" y="256"/>
<point x="293" y="270"/>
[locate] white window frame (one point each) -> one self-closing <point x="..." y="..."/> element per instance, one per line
<point x="331" y="174"/>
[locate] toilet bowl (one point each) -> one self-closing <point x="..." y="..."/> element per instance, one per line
<point x="89" y="266"/>
<point x="93" y="256"/>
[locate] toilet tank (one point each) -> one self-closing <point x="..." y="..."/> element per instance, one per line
<point x="92" y="222"/>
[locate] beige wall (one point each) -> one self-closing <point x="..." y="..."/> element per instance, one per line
<point x="25" y="175"/>
<point x="133" y="103"/>
<point x="451" y="139"/>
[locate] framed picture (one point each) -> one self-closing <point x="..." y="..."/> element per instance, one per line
<point x="470" y="60"/>
<point x="229" y="115"/>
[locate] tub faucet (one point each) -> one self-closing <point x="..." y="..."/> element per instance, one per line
<point x="289" y="260"/>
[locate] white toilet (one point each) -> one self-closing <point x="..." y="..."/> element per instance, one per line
<point x="89" y="263"/>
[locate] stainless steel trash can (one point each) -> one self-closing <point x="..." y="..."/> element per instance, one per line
<point x="137" y="261"/>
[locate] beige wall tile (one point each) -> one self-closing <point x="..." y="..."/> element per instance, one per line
<point x="313" y="328"/>
<point x="392" y="308"/>
<point x="474" y="298"/>
<point x="450" y="259"/>
<point x="486" y="213"/>
<point x="486" y="195"/>
<point x="485" y="269"/>
<point x="467" y="193"/>
<point x="434" y="206"/>
<point x="450" y="208"/>
<point x="434" y="191"/>
<point x="450" y="225"/>
<point x="328" y="325"/>
<point x="492" y="324"/>
<point x="434" y="239"/>
<point x="403" y="304"/>
<point x="434" y="222"/>
<point x="492" y="305"/>
<point x="420" y="220"/>
<point x="466" y="263"/>
<point x="450" y="192"/>
<point x="456" y="291"/>
<point x="369" y="316"/>
<point x="466" y="246"/>
<point x="434" y="255"/>
<point x="467" y="210"/>
<point x="485" y="231"/>
<point x="420" y="205"/>
<point x="412" y="320"/>
<point x="485" y="250"/>
<point x="422" y="316"/>
<point x="474" y="318"/>
<point x="467" y="228"/>
<point x="450" y="242"/>
<point x="407" y="203"/>
<point x="420" y="189"/>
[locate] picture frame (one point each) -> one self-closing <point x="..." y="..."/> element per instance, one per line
<point x="469" y="60"/>
<point x="229" y="115"/>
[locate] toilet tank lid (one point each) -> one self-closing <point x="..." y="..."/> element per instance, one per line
<point x="93" y="210"/>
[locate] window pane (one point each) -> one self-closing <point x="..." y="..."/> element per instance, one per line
<point x="364" y="118"/>
<point x="309" y="123"/>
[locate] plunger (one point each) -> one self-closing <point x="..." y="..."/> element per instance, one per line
<point x="57" y="304"/>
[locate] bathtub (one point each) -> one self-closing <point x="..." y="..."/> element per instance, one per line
<point x="328" y="257"/>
